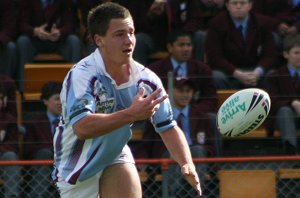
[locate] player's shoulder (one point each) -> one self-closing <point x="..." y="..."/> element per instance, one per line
<point x="147" y="77"/>
<point x="146" y="72"/>
<point x="86" y="66"/>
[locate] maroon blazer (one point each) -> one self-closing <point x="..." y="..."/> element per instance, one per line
<point x="59" y="12"/>
<point x="8" y="116"/>
<point x="200" y="73"/>
<point x="152" y="145"/>
<point x="282" y="91"/>
<point x="38" y="135"/>
<point x="277" y="10"/>
<point x="199" y="16"/>
<point x="10" y="129"/>
<point x="10" y="90"/>
<point x="226" y="49"/>
<point x="8" y="18"/>
<point x="281" y="88"/>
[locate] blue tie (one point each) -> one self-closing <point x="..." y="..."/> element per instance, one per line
<point x="241" y="28"/>
<point x="55" y="124"/>
<point x="179" y="120"/>
<point x="176" y="72"/>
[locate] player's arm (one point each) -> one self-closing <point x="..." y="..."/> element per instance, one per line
<point x="98" y="124"/>
<point x="177" y="145"/>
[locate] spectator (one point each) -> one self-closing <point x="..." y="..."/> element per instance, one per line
<point x="280" y="14"/>
<point x="9" y="145"/>
<point x="39" y="139"/>
<point x="283" y="85"/>
<point x="197" y="132"/>
<point x="180" y="61"/>
<point x="240" y="57"/>
<point x="199" y="14"/>
<point x="160" y="17"/>
<point x="46" y="27"/>
<point x="8" y="51"/>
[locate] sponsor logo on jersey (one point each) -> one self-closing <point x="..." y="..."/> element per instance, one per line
<point x="104" y="103"/>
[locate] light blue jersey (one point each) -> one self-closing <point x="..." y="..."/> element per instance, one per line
<point x="88" y="89"/>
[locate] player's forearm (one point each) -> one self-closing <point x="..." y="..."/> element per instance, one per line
<point x="99" y="124"/>
<point x="177" y="145"/>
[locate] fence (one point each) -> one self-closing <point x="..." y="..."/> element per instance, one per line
<point x="255" y="177"/>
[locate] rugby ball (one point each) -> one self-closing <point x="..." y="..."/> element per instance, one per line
<point x="243" y="111"/>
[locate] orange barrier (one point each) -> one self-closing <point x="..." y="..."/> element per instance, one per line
<point x="279" y="174"/>
<point x="164" y="161"/>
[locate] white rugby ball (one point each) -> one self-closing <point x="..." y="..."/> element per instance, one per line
<point x="243" y="112"/>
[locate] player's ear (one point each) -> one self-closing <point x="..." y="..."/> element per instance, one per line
<point x="170" y="47"/>
<point x="285" y="54"/>
<point x="98" y="40"/>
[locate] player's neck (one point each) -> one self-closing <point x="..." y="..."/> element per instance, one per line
<point x="119" y="74"/>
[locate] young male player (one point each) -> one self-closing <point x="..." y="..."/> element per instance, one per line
<point x="101" y="97"/>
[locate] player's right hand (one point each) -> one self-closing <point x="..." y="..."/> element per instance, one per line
<point x="143" y="106"/>
<point x="190" y="174"/>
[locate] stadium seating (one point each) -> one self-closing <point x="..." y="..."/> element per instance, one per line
<point x="48" y="57"/>
<point x="37" y="74"/>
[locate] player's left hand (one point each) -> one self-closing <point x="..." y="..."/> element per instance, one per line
<point x="190" y="174"/>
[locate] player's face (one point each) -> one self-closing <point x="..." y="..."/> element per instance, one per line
<point x="118" y="43"/>
<point x="53" y="104"/>
<point x="293" y="56"/>
<point x="239" y="9"/>
<point x="183" y="96"/>
<point x="181" y="49"/>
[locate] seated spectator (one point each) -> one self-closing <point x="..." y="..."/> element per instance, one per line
<point x="8" y="51"/>
<point x="197" y="132"/>
<point x="240" y="47"/>
<point x="181" y="63"/>
<point x="199" y="14"/>
<point x="9" y="145"/>
<point x="282" y="16"/>
<point x="39" y="139"/>
<point x="46" y="27"/>
<point x="283" y="85"/>
<point x="159" y="18"/>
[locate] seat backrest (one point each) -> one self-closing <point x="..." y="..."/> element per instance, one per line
<point x="247" y="183"/>
<point x="223" y="94"/>
<point x="48" y="57"/>
<point x="36" y="75"/>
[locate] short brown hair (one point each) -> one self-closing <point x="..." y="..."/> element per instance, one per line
<point x="100" y="17"/>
